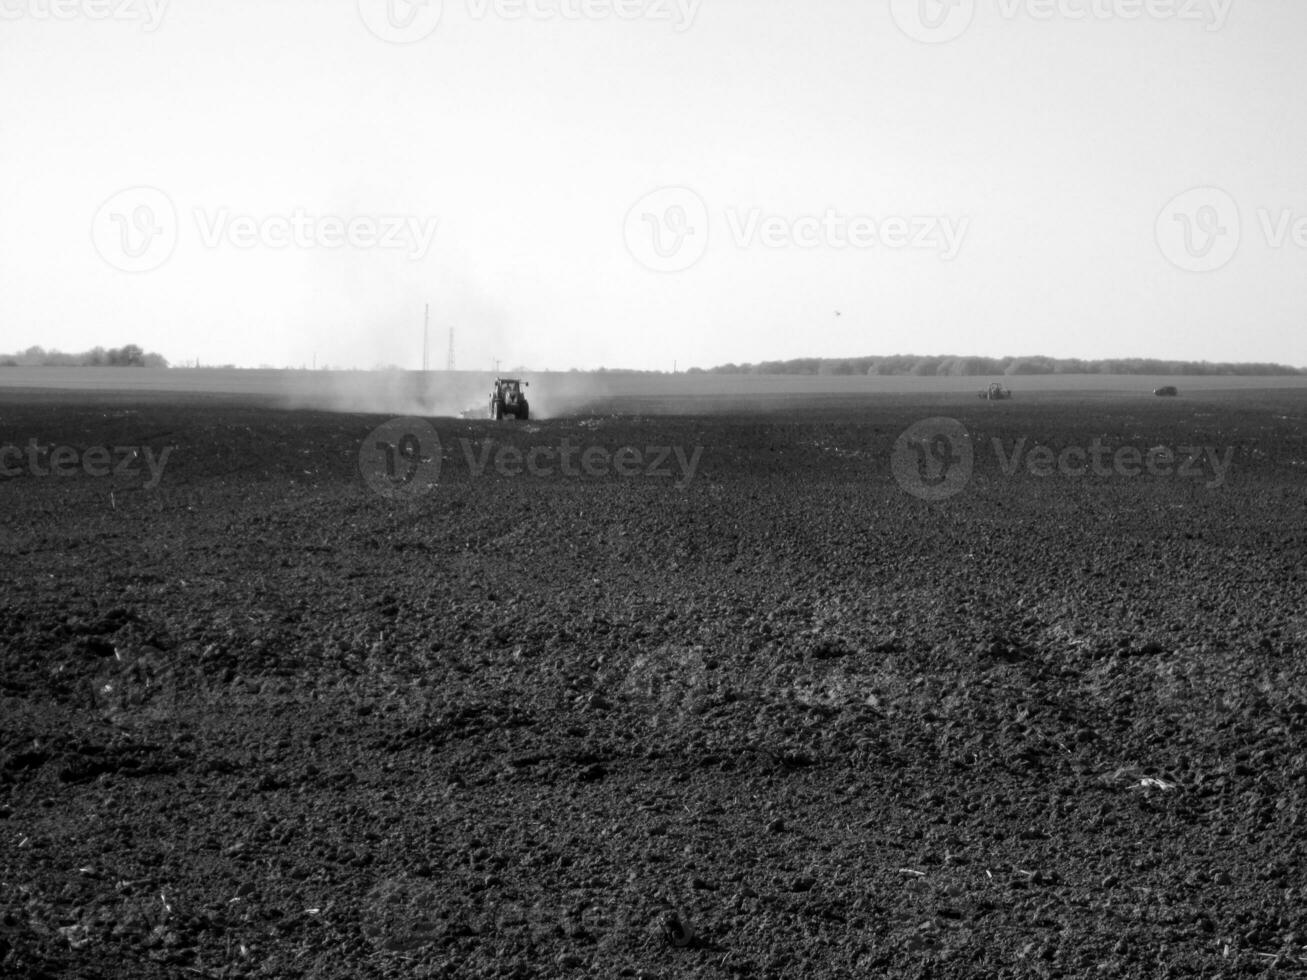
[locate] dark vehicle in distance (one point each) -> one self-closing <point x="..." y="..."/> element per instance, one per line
<point x="508" y="398"/>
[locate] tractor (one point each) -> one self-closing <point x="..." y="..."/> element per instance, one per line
<point x="996" y="393"/>
<point x="1166" y="391"/>
<point x="507" y="398"/>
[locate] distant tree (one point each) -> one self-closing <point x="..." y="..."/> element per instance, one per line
<point x="129" y="356"/>
<point x="1030" y="365"/>
<point x="840" y="368"/>
<point x="967" y="367"/>
<point x="950" y="366"/>
<point x="927" y="366"/>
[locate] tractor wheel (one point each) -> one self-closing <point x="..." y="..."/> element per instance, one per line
<point x="496" y="412"/>
<point x="524" y="413"/>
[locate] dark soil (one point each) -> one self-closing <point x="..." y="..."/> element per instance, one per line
<point x="783" y="719"/>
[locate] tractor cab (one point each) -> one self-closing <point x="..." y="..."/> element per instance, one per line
<point x="508" y="399"/>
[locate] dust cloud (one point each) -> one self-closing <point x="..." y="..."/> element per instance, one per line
<point x="442" y="394"/>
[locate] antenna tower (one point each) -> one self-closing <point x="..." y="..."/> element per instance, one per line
<point x="426" y="339"/>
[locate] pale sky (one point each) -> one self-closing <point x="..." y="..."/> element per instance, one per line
<point x="633" y="183"/>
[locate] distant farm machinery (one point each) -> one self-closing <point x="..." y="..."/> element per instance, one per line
<point x="508" y="398"/>
<point x="995" y="393"/>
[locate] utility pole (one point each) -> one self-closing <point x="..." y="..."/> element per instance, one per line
<point x="426" y="339"/>
<point x="449" y="361"/>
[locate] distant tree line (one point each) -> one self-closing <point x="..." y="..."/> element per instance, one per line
<point x="950" y="366"/>
<point x="129" y="355"/>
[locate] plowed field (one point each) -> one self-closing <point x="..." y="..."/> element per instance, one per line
<point x="537" y="710"/>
